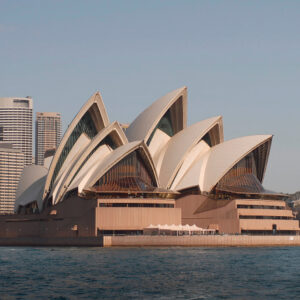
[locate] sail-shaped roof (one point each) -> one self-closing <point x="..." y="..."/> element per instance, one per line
<point x="182" y="143"/>
<point x="113" y="158"/>
<point x="161" y="148"/>
<point x="30" y="186"/>
<point x="174" y="104"/>
<point x="210" y="168"/>
<point x="82" y="142"/>
<point x="91" y="118"/>
<point x="111" y="136"/>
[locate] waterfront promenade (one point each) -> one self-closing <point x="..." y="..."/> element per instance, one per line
<point x="156" y="241"/>
<point x="201" y="241"/>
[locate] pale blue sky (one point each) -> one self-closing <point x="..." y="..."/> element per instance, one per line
<point x="239" y="59"/>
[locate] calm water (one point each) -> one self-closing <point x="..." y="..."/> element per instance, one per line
<point x="149" y="273"/>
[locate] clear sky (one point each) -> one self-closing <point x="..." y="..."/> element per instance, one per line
<point x="239" y="59"/>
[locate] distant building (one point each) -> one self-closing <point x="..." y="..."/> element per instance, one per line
<point x="16" y="124"/>
<point x="11" y="167"/>
<point x="48" y="135"/>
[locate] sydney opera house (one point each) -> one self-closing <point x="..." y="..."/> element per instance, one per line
<point x="108" y="178"/>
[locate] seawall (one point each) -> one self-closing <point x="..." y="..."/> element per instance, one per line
<point x="201" y="241"/>
<point x="155" y="241"/>
<point x="53" y="241"/>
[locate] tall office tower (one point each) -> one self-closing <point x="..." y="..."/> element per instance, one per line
<point x="11" y="168"/>
<point x="47" y="135"/>
<point x="16" y="124"/>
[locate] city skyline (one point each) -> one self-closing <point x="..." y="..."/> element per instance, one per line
<point x="239" y="60"/>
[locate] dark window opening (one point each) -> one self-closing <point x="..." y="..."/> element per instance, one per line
<point x="266" y="217"/>
<point x="119" y="232"/>
<point x="130" y="174"/>
<point x="269" y="232"/>
<point x="259" y="206"/>
<point x="242" y="178"/>
<point x="29" y="209"/>
<point x="207" y="139"/>
<point x="158" y="205"/>
<point x="165" y="125"/>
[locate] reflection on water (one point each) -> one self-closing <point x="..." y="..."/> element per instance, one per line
<point x="149" y="273"/>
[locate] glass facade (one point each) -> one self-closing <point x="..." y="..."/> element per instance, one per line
<point x="260" y="155"/>
<point x="242" y="178"/>
<point x="207" y="139"/>
<point x="165" y="125"/>
<point x="212" y="137"/>
<point x="130" y="174"/>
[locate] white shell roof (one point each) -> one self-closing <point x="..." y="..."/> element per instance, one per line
<point x="29" y="175"/>
<point x="89" y="168"/>
<point x="47" y="161"/>
<point x="210" y="168"/>
<point x="82" y="142"/>
<point x="192" y="156"/>
<point x="31" y="186"/>
<point x="112" y="159"/>
<point x="181" y="161"/>
<point x="102" y="118"/>
<point x="158" y="145"/>
<point x="84" y="153"/>
<point x="32" y="194"/>
<point x="142" y="127"/>
<point x="180" y="145"/>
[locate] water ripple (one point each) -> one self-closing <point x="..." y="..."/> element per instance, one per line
<point x="149" y="273"/>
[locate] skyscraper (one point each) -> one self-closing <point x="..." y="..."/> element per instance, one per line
<point x="16" y="124"/>
<point x="11" y="167"/>
<point x="48" y="135"/>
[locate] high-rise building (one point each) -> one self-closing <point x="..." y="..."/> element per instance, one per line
<point x="11" y="167"/>
<point x="16" y="124"/>
<point x="48" y="135"/>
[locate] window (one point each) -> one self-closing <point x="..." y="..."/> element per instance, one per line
<point x="131" y="174"/>
<point x="242" y="177"/>
<point x="165" y="125"/>
<point x="21" y="103"/>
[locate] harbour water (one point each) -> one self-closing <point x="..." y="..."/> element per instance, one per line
<point x="150" y="273"/>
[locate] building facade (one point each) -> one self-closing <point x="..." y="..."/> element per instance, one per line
<point x="11" y="167"/>
<point x="16" y="124"/>
<point x="47" y="135"/>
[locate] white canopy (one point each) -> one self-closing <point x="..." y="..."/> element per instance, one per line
<point x="174" y="227"/>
